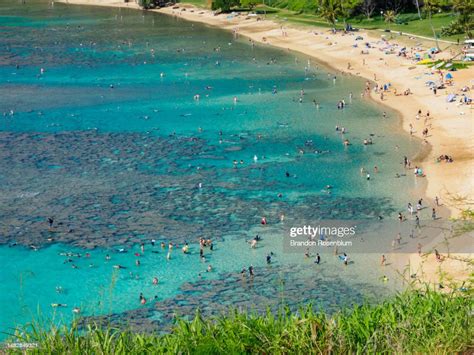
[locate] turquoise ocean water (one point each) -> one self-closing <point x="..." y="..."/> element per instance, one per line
<point x="101" y="130"/>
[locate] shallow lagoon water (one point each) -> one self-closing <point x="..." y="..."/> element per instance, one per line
<point x="110" y="141"/>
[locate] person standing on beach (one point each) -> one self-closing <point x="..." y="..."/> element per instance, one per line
<point x="399" y="238"/>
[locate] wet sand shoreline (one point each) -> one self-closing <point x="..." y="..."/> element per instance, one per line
<point x="451" y="130"/>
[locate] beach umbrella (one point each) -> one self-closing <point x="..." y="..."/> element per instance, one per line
<point x="449" y="76"/>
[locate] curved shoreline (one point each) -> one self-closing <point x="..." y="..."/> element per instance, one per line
<point x="452" y="126"/>
<point x="335" y="50"/>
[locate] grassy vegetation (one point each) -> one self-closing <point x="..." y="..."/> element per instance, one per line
<point x="302" y="13"/>
<point x="411" y="24"/>
<point x="413" y="322"/>
<point x="443" y="64"/>
<point x="199" y="3"/>
<point x="407" y="23"/>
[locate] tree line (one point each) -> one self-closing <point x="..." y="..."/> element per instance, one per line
<point x="334" y="10"/>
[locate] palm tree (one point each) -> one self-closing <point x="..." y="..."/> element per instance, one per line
<point x="330" y="10"/>
<point x="390" y="17"/>
<point x="430" y="6"/>
<point x="466" y="11"/>
<point x="418" y="8"/>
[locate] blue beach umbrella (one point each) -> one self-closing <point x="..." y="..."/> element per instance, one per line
<point x="449" y="76"/>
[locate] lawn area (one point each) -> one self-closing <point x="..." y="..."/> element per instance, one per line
<point x="198" y="3"/>
<point x="417" y="27"/>
<point x="407" y="23"/>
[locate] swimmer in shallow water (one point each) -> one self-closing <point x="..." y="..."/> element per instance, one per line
<point x="185" y="248"/>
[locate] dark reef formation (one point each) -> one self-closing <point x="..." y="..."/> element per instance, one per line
<point x="117" y="189"/>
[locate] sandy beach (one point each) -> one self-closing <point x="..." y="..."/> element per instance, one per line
<point x="450" y="126"/>
<point x="451" y="130"/>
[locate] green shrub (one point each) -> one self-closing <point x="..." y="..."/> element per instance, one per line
<point x="412" y="322"/>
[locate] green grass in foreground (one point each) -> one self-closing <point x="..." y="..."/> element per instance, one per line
<point x="413" y="322"/>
